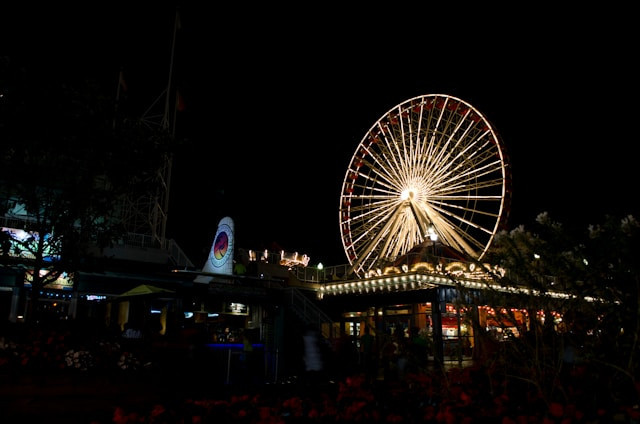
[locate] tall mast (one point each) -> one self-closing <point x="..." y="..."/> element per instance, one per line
<point x="148" y="214"/>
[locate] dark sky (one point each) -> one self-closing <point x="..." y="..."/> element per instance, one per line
<point x="277" y="100"/>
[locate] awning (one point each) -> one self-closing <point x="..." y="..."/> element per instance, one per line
<point x="145" y="289"/>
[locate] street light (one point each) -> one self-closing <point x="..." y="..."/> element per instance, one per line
<point x="431" y="232"/>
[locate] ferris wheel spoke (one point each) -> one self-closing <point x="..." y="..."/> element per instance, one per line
<point x="453" y="235"/>
<point x="460" y="240"/>
<point x="469" y="169"/>
<point x="373" y="238"/>
<point x="462" y="220"/>
<point x="383" y="184"/>
<point x="383" y="173"/>
<point x="386" y="141"/>
<point x="462" y="191"/>
<point x="373" y="218"/>
<point x="396" y="148"/>
<point x="447" y="206"/>
<point x="366" y="214"/>
<point x="458" y="163"/>
<point x="473" y="179"/>
<point x="421" y="214"/>
<point x="368" y="202"/>
<point x="392" y="243"/>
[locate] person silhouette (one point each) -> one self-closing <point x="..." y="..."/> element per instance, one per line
<point x="314" y="365"/>
<point x="368" y="363"/>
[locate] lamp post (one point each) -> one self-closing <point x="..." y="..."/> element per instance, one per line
<point x="436" y="307"/>
<point x="433" y="236"/>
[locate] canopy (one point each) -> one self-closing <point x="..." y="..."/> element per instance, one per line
<point x="145" y="289"/>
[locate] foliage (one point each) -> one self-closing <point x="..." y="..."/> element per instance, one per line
<point x="590" y="279"/>
<point x="68" y="165"/>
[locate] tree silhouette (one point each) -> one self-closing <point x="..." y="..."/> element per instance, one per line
<point x="68" y="163"/>
<point x="580" y="291"/>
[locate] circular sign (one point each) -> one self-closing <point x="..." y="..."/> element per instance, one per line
<point x="222" y="246"/>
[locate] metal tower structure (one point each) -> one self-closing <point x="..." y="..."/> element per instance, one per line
<point x="146" y="214"/>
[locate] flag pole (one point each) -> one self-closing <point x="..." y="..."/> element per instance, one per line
<point x="121" y="83"/>
<point x="166" y="124"/>
<point x="169" y="114"/>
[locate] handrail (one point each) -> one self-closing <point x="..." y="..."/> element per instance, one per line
<point x="307" y="310"/>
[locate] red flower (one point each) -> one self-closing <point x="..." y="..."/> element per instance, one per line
<point x="121" y="417"/>
<point x="633" y="413"/>
<point x="429" y="413"/>
<point x="241" y="398"/>
<point x="465" y="398"/>
<point x="157" y="410"/>
<point x="556" y="409"/>
<point x="394" y="418"/>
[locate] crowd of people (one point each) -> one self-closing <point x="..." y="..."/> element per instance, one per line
<point x="377" y="355"/>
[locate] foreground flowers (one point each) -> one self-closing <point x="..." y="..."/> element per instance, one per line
<point x="458" y="396"/>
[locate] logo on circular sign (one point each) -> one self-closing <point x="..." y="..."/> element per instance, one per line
<point x="221" y="250"/>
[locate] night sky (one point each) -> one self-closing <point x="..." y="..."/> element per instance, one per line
<point x="277" y="100"/>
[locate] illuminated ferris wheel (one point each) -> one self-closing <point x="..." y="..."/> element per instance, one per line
<point x="432" y="166"/>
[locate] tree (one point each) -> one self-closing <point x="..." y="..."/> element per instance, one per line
<point x="66" y="169"/>
<point x="585" y="283"/>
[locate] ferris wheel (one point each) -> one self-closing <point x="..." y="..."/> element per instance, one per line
<point x="432" y="166"/>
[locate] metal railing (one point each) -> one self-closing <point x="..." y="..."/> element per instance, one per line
<point x="309" y="312"/>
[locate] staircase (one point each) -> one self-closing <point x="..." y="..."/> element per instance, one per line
<point x="308" y="311"/>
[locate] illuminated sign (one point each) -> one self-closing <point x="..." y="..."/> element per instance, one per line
<point x="95" y="297"/>
<point x="233" y="308"/>
<point x="220" y="260"/>
<point x="23" y="244"/>
<point x="63" y="282"/>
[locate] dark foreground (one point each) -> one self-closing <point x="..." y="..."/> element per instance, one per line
<point x="55" y="377"/>
<point x="459" y="395"/>
<point x="118" y="399"/>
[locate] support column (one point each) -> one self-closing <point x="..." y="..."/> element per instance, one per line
<point x="15" y="304"/>
<point x="379" y="320"/>
<point x="123" y="314"/>
<point x="72" y="312"/>
<point x="437" y="305"/>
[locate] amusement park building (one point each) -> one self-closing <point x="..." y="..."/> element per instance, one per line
<point x="272" y="294"/>
<point x="432" y="225"/>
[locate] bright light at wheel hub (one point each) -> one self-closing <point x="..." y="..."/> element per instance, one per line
<point x="412" y="193"/>
<point x="407" y="194"/>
